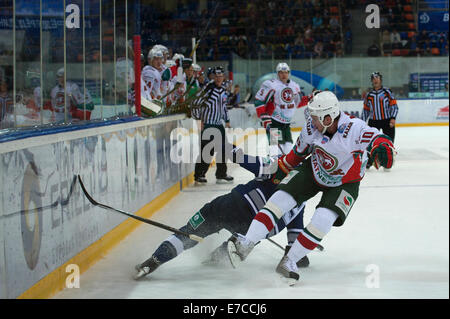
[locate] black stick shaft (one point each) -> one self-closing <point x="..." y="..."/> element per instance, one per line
<point x="144" y="220"/>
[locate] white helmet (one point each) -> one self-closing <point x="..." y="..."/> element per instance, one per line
<point x="197" y="68"/>
<point x="170" y="63"/>
<point x="163" y="49"/>
<point x="60" y="72"/>
<point x="322" y="104"/>
<point x="177" y="56"/>
<point x="155" y="53"/>
<point x="283" y="67"/>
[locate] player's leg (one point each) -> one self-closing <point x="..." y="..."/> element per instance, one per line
<point x="297" y="187"/>
<point x="208" y="220"/>
<point x="286" y="143"/>
<point x="332" y="210"/>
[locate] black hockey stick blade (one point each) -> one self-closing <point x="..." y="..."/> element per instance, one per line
<point x="142" y="219"/>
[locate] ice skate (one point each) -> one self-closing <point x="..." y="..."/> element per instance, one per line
<point x="238" y="248"/>
<point x="302" y="263"/>
<point x="288" y="269"/>
<point x="146" y="268"/>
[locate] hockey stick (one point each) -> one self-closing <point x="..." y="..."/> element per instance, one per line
<point x="62" y="201"/>
<point x="319" y="247"/>
<point x="145" y="220"/>
<point x="204" y="31"/>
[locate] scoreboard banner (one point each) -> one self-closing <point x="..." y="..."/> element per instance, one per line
<point x="433" y="21"/>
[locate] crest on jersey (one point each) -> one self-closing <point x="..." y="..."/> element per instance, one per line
<point x="328" y="161"/>
<point x="287" y="95"/>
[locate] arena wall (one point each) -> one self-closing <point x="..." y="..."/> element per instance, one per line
<point x="46" y="223"/>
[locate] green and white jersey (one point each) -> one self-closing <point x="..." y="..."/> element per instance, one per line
<point x="342" y="158"/>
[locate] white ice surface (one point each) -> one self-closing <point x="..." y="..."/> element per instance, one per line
<point x="399" y="225"/>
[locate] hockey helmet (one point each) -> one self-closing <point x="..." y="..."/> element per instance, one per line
<point x="177" y="56"/>
<point x="162" y="48"/>
<point x="376" y="75"/>
<point x="196" y="67"/>
<point x="322" y="104"/>
<point x="284" y="67"/>
<point x="155" y="53"/>
<point x="60" y="73"/>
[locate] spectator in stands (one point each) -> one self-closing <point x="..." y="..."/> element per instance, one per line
<point x="348" y="41"/>
<point x="413" y="47"/>
<point x="442" y="45"/>
<point x="374" y="50"/>
<point x="423" y="36"/>
<point x="426" y="47"/>
<point x="317" y="21"/>
<point x="396" y="40"/>
<point x="334" y="23"/>
<point x="318" y="49"/>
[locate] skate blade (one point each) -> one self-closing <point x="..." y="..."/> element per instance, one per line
<point x="289" y="281"/>
<point x="235" y="259"/>
<point x="139" y="275"/>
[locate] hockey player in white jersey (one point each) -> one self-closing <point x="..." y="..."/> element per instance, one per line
<point x="79" y="106"/>
<point x="275" y="104"/>
<point x="151" y="76"/>
<point x="334" y="150"/>
<point x="165" y="85"/>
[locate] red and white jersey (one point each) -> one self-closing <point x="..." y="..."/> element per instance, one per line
<point x="75" y="97"/>
<point x="340" y="159"/>
<point x="286" y="97"/>
<point x="150" y="83"/>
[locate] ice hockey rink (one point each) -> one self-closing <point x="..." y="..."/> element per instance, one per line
<point x="394" y="243"/>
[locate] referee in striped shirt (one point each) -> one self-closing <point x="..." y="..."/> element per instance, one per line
<point x="380" y="107"/>
<point x="211" y="113"/>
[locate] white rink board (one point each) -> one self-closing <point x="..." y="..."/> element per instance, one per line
<point x="399" y="225"/>
<point x="410" y="111"/>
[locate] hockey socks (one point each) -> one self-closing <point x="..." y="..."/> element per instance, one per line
<point x="310" y="237"/>
<point x="266" y="219"/>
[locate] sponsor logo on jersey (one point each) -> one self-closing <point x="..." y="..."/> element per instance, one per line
<point x="287" y="95"/>
<point x="325" y="139"/>
<point x="342" y="127"/>
<point x="345" y="202"/>
<point x="196" y="220"/>
<point x="327" y="161"/>
<point x="347" y="129"/>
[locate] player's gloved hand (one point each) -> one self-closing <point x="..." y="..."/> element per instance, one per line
<point x="382" y="152"/>
<point x="265" y="120"/>
<point x="283" y="169"/>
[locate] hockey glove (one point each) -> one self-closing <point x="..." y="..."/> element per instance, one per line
<point x="283" y="169"/>
<point x="381" y="152"/>
<point x="266" y="120"/>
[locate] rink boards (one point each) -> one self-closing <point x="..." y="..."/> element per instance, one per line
<point x="47" y="225"/>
